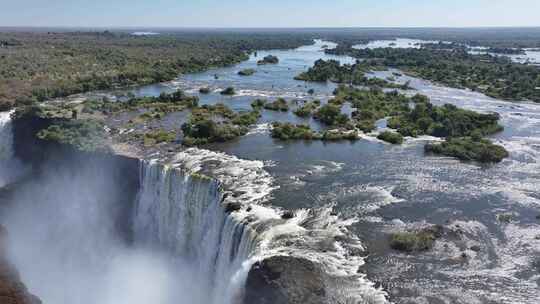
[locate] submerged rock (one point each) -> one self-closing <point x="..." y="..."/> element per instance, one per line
<point x="285" y="280"/>
<point x="287" y="215"/>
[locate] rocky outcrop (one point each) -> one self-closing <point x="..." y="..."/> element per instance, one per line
<point x="12" y="290"/>
<point x="285" y="280"/>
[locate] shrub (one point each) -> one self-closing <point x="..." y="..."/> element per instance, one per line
<point x="332" y="135"/>
<point x="307" y="109"/>
<point x="84" y="135"/>
<point x="258" y="103"/>
<point x="366" y="126"/>
<point x="468" y="148"/>
<point x="247" y="118"/>
<point x="204" y="90"/>
<point x="414" y="241"/>
<point x="286" y="131"/>
<point x="279" y="104"/>
<point x="391" y="137"/>
<point x="331" y="115"/>
<point x="159" y="136"/>
<point x="228" y="91"/>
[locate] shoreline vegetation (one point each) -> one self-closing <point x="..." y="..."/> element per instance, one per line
<point x="37" y="66"/>
<point x="463" y="130"/>
<point x="452" y="65"/>
<point x="332" y="70"/>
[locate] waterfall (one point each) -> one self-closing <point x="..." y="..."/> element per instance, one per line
<point x="181" y="209"/>
<point x="182" y="213"/>
<point x="6" y="136"/>
<point x="10" y="167"/>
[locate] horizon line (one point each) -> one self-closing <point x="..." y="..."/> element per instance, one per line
<point x="262" y="27"/>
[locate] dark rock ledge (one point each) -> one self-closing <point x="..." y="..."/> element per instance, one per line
<point x="285" y="280"/>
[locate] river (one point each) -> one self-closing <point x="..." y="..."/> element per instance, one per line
<point x="389" y="188"/>
<point x="381" y="188"/>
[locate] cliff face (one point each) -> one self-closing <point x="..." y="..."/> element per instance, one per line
<point x="42" y="156"/>
<point x="44" y="160"/>
<point x="12" y="290"/>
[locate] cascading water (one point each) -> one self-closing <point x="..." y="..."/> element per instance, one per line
<point x="183" y="213"/>
<point x="10" y="167"/>
<point x="6" y="136"/>
<point x="182" y="210"/>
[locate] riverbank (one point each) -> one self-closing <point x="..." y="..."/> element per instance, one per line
<point x="372" y="190"/>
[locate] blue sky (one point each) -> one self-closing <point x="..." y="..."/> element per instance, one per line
<point x="275" y="13"/>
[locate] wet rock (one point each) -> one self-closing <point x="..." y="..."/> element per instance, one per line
<point x="238" y="193"/>
<point x="505" y="217"/>
<point x="232" y="207"/>
<point x="287" y="215"/>
<point x="536" y="264"/>
<point x="436" y="230"/>
<point x="475" y="248"/>
<point x="416" y="241"/>
<point x="285" y="280"/>
<point x="12" y="290"/>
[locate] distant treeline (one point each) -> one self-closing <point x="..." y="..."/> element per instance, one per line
<point x="494" y="76"/>
<point x="42" y="65"/>
<point x="510" y="37"/>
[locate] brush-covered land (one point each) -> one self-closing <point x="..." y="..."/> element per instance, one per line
<point x="38" y="66"/>
<point x="454" y="66"/>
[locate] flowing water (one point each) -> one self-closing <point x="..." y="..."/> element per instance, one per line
<point x="347" y="197"/>
<point x="10" y="167"/>
<point x="391" y="188"/>
<point x="530" y="55"/>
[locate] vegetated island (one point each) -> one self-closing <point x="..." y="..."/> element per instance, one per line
<point x="270" y="59"/>
<point x="355" y="74"/>
<point x="82" y="125"/>
<point x="495" y="76"/>
<point x="464" y="130"/>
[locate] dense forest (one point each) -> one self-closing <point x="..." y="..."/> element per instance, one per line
<point x="42" y="65"/>
<point x="332" y="70"/>
<point x="496" y="37"/>
<point x="492" y="75"/>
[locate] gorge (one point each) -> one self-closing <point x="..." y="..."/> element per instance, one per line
<point x="263" y="220"/>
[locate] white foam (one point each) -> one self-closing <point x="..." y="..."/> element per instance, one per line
<point x="10" y="167"/>
<point x="369" y="197"/>
<point x="259" y="129"/>
<point x="315" y="234"/>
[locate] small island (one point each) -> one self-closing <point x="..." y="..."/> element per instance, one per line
<point x="469" y="149"/>
<point x="204" y="90"/>
<point x="391" y="137"/>
<point x="289" y="131"/>
<point x="246" y="72"/>
<point x="270" y="59"/>
<point x="228" y="91"/>
<point x="334" y="71"/>
<point x="279" y="104"/>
